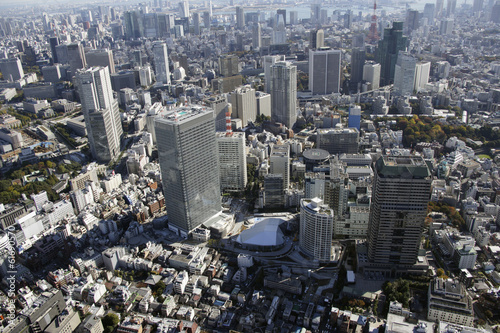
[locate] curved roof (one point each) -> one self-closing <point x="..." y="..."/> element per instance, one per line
<point x="315" y="154"/>
<point x="263" y="233"/>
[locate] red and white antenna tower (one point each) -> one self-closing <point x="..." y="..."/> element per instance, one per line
<point x="373" y="34"/>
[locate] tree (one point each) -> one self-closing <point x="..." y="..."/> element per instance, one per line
<point x="111" y="319"/>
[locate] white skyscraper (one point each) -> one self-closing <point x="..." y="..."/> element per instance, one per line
<point x="279" y="31"/>
<point x="404" y="74"/>
<point x="256" y="35"/>
<point x="189" y="165"/>
<point x="316" y="229"/>
<point x="422" y="71"/>
<point x="101" y="113"/>
<point x="161" y="62"/>
<point x="267" y="62"/>
<point x="371" y="74"/>
<point x="184" y="9"/>
<point x="284" y="93"/>
<point x="244" y="104"/>
<point x="232" y="161"/>
<point x="324" y="71"/>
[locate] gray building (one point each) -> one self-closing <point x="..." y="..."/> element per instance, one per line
<point x="101" y="58"/>
<point x="232" y="161"/>
<point x="102" y="116"/>
<point x="401" y="191"/>
<point x="189" y="166"/>
<point x="284" y="93"/>
<point x="11" y="69"/>
<point x="338" y="140"/>
<point x="324" y="71"/>
<point x="76" y="57"/>
<point x="161" y="62"/>
<point x="274" y="192"/>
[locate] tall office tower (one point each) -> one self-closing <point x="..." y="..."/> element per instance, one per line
<point x="294" y="17"/>
<point x="101" y="113"/>
<point x="400" y="194"/>
<point x="316" y="229"/>
<point x="196" y="23"/>
<point x="315" y="13"/>
<point x="495" y="13"/>
<point x="206" y="19"/>
<point x="62" y="53"/>
<point x="256" y="35"/>
<point x="244" y="104"/>
<point x="274" y="193"/>
<point x="189" y="166"/>
<point x="439" y="8"/>
<point x="160" y="55"/>
<point x="354" y="120"/>
<point x="282" y="12"/>
<point x="337" y="189"/>
<point x="348" y="19"/>
<point x="446" y="27"/>
<point x="388" y="50"/>
<point x="232" y="161"/>
<point x="357" y="65"/>
<point x="429" y="12"/>
<point x="86" y="16"/>
<point x="54" y="41"/>
<point x="76" y="57"/>
<point x="324" y="71"/>
<point x="52" y="73"/>
<point x="280" y="162"/>
<point x="220" y="105"/>
<point x="134" y="27"/>
<point x="228" y="65"/>
<point x="101" y="58"/>
<point x="240" y="17"/>
<point x="422" y="71"/>
<point x="11" y="69"/>
<point x="412" y="20"/>
<point x="371" y="74"/>
<point x="478" y="6"/>
<point x="404" y="74"/>
<point x="184" y="9"/>
<point x="338" y="140"/>
<point x="451" y="6"/>
<point x="268" y="61"/>
<point x="284" y="93"/>
<point x="279" y="31"/>
<point x="358" y="40"/>
<point x="317" y="39"/>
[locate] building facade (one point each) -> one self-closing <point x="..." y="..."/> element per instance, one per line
<point x="316" y="229"/>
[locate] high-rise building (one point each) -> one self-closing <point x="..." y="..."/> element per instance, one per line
<point x="439" y="7"/>
<point x="422" y="71"/>
<point x="371" y="74"/>
<point x="101" y="58"/>
<point x="294" y="17"/>
<point x="316" y="229"/>
<point x="404" y="74"/>
<point x="324" y="71"/>
<point x="268" y="61"/>
<point x="232" y="161"/>
<point x="495" y="13"/>
<point x="11" y="69"/>
<point x="317" y="39"/>
<point x="430" y="12"/>
<point x="54" y="41"/>
<point x="388" y="50"/>
<point x="263" y="104"/>
<point x="284" y="93"/>
<point x="279" y="31"/>
<point x="274" y="193"/>
<point x="228" y="65"/>
<point x="184" y="9"/>
<point x="101" y="113"/>
<point x="206" y="19"/>
<point x="315" y="13"/>
<point x="412" y="20"/>
<point x="220" y="105"/>
<point x="451" y="6"/>
<point x="400" y="194"/>
<point x="240" y="17"/>
<point x="244" y="104"/>
<point x="357" y="65"/>
<point x="76" y="57"/>
<point x="133" y="22"/>
<point x="189" y="166"/>
<point x="160" y="55"/>
<point x="446" y="27"/>
<point x="256" y="35"/>
<point x="280" y="162"/>
<point x="477" y="6"/>
<point x="282" y="12"/>
<point x="196" y="23"/>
